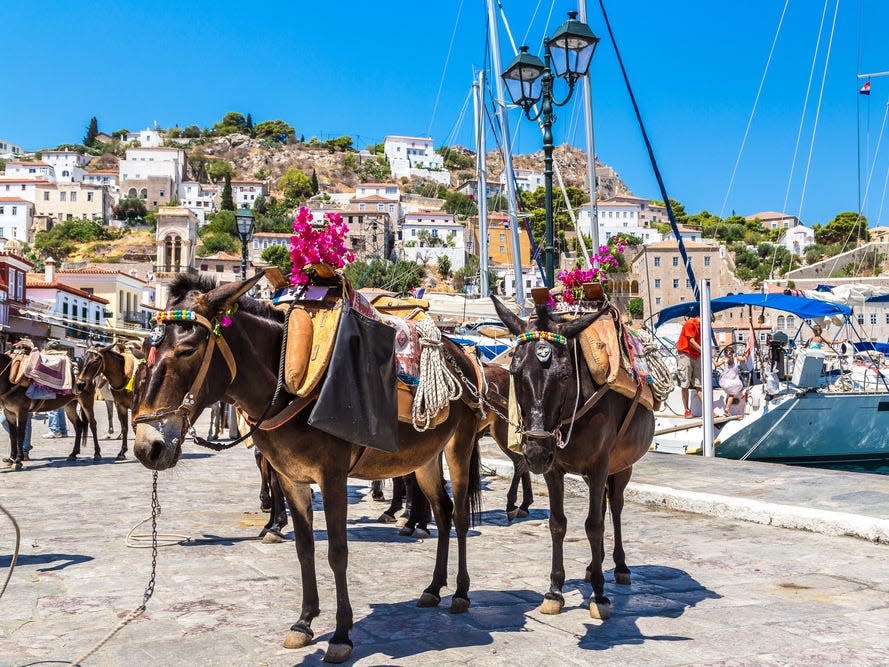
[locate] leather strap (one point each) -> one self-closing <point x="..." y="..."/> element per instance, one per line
<point x="590" y="402"/>
<point x="629" y="417"/>
<point x="291" y="410"/>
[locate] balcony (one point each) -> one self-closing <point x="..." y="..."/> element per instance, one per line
<point x="171" y="270"/>
<point x="137" y="317"/>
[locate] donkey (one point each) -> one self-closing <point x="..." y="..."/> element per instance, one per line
<point x="110" y="363"/>
<point x="187" y="375"/>
<point x="555" y="393"/>
<point x="16" y="405"/>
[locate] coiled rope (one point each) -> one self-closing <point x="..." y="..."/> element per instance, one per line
<point x="660" y="378"/>
<point x="438" y="386"/>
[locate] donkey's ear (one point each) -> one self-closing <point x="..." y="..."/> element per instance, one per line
<point x="574" y="327"/>
<point x="221" y="298"/>
<point x="512" y="321"/>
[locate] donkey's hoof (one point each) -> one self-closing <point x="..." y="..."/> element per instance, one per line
<point x="386" y="518"/>
<point x="459" y="605"/>
<point x="97" y="457"/>
<point x="551" y="607"/>
<point x="521" y="513"/>
<point x="623" y="578"/>
<point x="337" y="653"/>
<point x="512" y="514"/>
<point x="272" y="537"/>
<point x="18" y="465"/>
<point x="406" y="531"/>
<point x="297" y="639"/>
<point x="72" y="457"/>
<point x="428" y="600"/>
<point x="120" y="457"/>
<point x="421" y="534"/>
<point x="600" y="610"/>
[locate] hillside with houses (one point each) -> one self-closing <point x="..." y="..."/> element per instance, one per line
<point x="93" y="232"/>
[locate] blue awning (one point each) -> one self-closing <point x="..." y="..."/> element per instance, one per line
<point x="798" y="305"/>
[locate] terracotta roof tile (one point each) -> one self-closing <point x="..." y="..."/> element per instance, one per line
<point x="38" y="281"/>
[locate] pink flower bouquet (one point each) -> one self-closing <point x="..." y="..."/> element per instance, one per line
<point x="317" y="245"/>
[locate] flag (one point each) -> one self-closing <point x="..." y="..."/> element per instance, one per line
<point x="418" y="292"/>
<point x="865" y="89"/>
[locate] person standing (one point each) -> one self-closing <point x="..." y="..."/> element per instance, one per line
<point x="688" y="349"/>
<point x="58" y="428"/>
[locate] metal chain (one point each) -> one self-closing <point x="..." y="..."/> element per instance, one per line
<point x="476" y="393"/>
<point x="149" y="590"/>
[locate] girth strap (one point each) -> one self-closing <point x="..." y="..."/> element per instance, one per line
<point x="629" y="416"/>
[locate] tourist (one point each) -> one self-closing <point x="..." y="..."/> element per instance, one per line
<point x="58" y="427"/>
<point x="688" y="367"/>
<point x="103" y="393"/>
<point x="730" y="378"/>
<point x="819" y="342"/>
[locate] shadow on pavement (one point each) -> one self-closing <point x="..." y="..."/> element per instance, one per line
<point x="64" y="560"/>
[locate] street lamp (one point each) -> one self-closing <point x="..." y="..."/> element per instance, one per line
<point x="567" y="54"/>
<point x="244" y="218"/>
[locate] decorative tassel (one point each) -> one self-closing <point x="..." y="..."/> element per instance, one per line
<point x="152" y="356"/>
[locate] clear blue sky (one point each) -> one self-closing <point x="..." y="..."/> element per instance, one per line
<point x="371" y="69"/>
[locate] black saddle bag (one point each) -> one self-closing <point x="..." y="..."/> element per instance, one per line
<point x="357" y="402"/>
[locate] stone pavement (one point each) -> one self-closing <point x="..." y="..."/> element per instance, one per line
<point x="707" y="590"/>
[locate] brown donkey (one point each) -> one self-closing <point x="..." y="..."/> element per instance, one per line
<point x="571" y="426"/>
<point x="110" y="363"/>
<point x="16" y="405"/>
<point x="187" y="376"/>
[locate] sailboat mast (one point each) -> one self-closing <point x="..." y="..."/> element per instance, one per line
<point x="590" y="145"/>
<point x="500" y="106"/>
<point x="478" y="104"/>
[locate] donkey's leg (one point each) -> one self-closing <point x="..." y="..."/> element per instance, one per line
<point x="464" y="464"/>
<point x="265" y="496"/>
<point x="616" y="485"/>
<point x="89" y="419"/>
<point x="273" y="531"/>
<point x="300" y="498"/>
<point x="74" y="418"/>
<point x="397" y="501"/>
<point x="527" y="492"/>
<point x="124" y="418"/>
<point x="429" y="479"/>
<point x="335" y="492"/>
<point x="558" y="524"/>
<point x="376" y="491"/>
<point x="600" y="606"/>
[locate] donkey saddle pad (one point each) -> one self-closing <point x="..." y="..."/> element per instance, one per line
<point x="311" y="334"/>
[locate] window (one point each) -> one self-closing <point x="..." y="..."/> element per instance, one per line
<point x="62" y="196"/>
<point x="657" y="300"/>
<point x="873" y="318"/>
<point x="89" y="196"/>
<point x="687" y="284"/>
<point x="657" y="283"/>
<point x="2" y="210"/>
<point x="706" y="260"/>
<point x="73" y="196"/>
<point x="780" y="323"/>
<point x="675" y="283"/>
<point x="203" y="267"/>
<point x="675" y="261"/>
<point x="46" y="196"/>
<point x="887" y="314"/>
<point x="413" y="232"/>
<point x="15" y="210"/>
<point x="219" y="268"/>
<point x="503" y="248"/>
<point x="503" y="237"/>
<point x="861" y="319"/>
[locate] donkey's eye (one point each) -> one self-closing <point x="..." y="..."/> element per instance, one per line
<point x="184" y="351"/>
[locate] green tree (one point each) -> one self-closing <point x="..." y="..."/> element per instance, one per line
<point x="131" y="209"/>
<point x="248" y="125"/>
<point x="374" y="170"/>
<point x="444" y="266"/>
<point x="296" y="186"/>
<point x="259" y="205"/>
<point x="459" y="204"/>
<point x="222" y="222"/>
<point x="218" y="242"/>
<point x="232" y="122"/>
<point x="277" y="255"/>
<point x="219" y="169"/>
<point x="275" y="130"/>
<point x="315" y="188"/>
<point x="191" y="132"/>
<point x="636" y="307"/>
<point x="92" y="131"/>
<point x="64" y="237"/>
<point x="845" y="227"/>
<point x="120" y="134"/>
<point x="343" y="143"/>
<point x="455" y="158"/>
<point x="228" y="202"/>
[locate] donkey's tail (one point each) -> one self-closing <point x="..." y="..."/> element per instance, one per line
<point x="475" y="485"/>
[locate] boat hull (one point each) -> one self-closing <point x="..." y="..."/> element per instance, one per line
<point x="814" y="427"/>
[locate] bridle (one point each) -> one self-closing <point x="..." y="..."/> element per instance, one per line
<point x="186" y="408"/>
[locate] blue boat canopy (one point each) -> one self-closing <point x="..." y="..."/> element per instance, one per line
<point x="798" y="305"/>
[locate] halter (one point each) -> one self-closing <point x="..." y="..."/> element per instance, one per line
<point x="530" y="336"/>
<point x="186" y="408"/>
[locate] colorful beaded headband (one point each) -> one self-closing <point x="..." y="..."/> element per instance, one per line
<point x="528" y="336"/>
<point x="176" y="316"/>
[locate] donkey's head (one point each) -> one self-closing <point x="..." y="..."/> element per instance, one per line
<point x="177" y="384"/>
<point x="91" y="367"/>
<point x="543" y="373"/>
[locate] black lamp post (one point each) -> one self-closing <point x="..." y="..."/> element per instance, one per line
<point x="244" y="218"/>
<point x="529" y="80"/>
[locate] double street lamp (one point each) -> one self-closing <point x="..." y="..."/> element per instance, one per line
<point x="244" y="218"/>
<point x="567" y="54"/>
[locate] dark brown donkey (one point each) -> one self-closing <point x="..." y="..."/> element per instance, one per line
<point x="16" y="405"/>
<point x="188" y="375"/>
<point x="110" y="363"/>
<point x="569" y="431"/>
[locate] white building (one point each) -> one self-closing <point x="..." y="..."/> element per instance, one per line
<point x="377" y="204"/>
<point x="528" y="181"/>
<point x="68" y="165"/>
<point x="153" y="174"/>
<point x="616" y="217"/>
<point x="245" y="193"/>
<point x="415" y="157"/>
<point x="387" y="190"/>
<point x="16" y="218"/>
<point x="37" y="170"/>
<point x="200" y="198"/>
<point x="689" y="234"/>
<point x="263" y="240"/>
<point x="530" y="276"/>
<point x="26" y="188"/>
<point x="106" y="178"/>
<point x="147" y="138"/>
<point x="65" y="301"/>
<point x="9" y="150"/>
<point x="470" y="188"/>
<point x="427" y="235"/>
<point x="797" y="239"/>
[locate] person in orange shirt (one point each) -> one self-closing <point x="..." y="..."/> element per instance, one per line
<point x="688" y="368"/>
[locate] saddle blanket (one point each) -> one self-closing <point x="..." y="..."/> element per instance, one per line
<point x="50" y="370"/>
